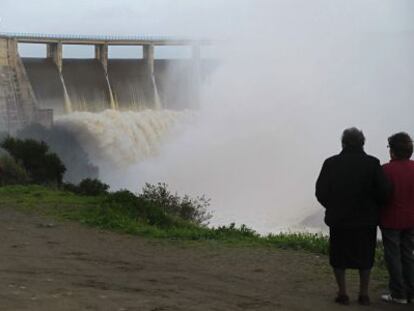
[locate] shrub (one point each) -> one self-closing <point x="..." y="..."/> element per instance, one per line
<point x="11" y="173"/>
<point x="92" y="187"/>
<point x="123" y="197"/>
<point x="316" y="243"/>
<point x="189" y="209"/>
<point x="138" y="208"/>
<point x="232" y="230"/>
<point x="156" y="206"/>
<point x="88" y="186"/>
<point x="70" y="188"/>
<point x="67" y="147"/>
<point x="3" y="135"/>
<point x="42" y="166"/>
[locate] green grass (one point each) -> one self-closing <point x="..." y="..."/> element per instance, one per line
<point x="96" y="212"/>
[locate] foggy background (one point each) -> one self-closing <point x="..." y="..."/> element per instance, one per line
<point x="293" y="75"/>
<point x="213" y="18"/>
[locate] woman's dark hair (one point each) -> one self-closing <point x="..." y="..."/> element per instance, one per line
<point x="401" y="145"/>
<point x="353" y="138"/>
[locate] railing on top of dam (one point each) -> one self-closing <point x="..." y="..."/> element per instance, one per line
<point x="103" y="39"/>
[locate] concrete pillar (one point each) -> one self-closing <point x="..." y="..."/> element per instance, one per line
<point x="149" y="57"/>
<point x="148" y="51"/>
<point x="196" y="52"/>
<point x="196" y="56"/>
<point x="13" y="50"/>
<point x="54" y="51"/>
<point x="17" y="100"/>
<point x="101" y="54"/>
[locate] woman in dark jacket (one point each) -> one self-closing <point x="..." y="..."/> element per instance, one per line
<point x="352" y="187"/>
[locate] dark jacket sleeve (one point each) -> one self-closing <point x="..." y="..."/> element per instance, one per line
<point x="383" y="186"/>
<point x="323" y="185"/>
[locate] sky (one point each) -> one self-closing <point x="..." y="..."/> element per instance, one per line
<point x="197" y="18"/>
<point x="187" y="16"/>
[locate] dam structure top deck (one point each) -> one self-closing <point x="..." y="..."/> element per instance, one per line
<point x="101" y="39"/>
<point x="32" y="90"/>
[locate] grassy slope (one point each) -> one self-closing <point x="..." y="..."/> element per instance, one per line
<point x="90" y="211"/>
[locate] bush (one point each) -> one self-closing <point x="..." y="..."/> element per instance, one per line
<point x="11" y="173"/>
<point x="186" y="208"/>
<point x="138" y="208"/>
<point x="67" y="147"/>
<point x="42" y="166"/>
<point x="123" y="197"/>
<point x="3" y="135"/>
<point x="156" y="206"/>
<point x="316" y="243"/>
<point x="232" y="230"/>
<point x="92" y="187"/>
<point x="88" y="186"/>
<point x="70" y="188"/>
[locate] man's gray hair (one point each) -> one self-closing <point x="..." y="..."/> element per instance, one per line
<point x="353" y="138"/>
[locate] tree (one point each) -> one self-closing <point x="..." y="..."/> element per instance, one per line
<point x="66" y="145"/>
<point x="11" y="173"/>
<point x="42" y="166"/>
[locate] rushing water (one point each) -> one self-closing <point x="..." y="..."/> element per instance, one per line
<point x="192" y="155"/>
<point x="117" y="140"/>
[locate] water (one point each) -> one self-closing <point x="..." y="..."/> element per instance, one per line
<point x="264" y="127"/>
<point x="193" y="157"/>
<point x="115" y="140"/>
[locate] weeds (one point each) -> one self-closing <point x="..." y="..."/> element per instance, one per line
<point x="126" y="212"/>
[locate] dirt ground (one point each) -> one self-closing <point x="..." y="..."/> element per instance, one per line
<point x="45" y="265"/>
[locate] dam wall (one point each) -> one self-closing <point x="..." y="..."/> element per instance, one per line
<point x="33" y="89"/>
<point x="18" y="105"/>
<point x="80" y="85"/>
<point x="131" y="84"/>
<point x="46" y="83"/>
<point x="86" y="84"/>
<point x="83" y="84"/>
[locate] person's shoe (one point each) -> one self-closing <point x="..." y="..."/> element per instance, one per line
<point x="342" y="300"/>
<point x="364" y="300"/>
<point x="389" y="298"/>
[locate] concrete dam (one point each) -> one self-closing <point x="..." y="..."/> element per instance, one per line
<point x="32" y="90"/>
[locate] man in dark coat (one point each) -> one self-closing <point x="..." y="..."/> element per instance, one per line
<point x="352" y="187"/>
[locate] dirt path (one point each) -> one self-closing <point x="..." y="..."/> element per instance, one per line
<point x="46" y="265"/>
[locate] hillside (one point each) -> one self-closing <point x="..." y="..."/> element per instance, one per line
<point x="50" y="264"/>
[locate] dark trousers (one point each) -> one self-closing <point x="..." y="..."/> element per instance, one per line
<point x="399" y="258"/>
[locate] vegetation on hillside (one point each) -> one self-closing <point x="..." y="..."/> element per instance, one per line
<point x="42" y="166"/>
<point x="87" y="186"/>
<point x="67" y="147"/>
<point x="155" y="212"/>
<point x="11" y="173"/>
<point x="125" y="212"/>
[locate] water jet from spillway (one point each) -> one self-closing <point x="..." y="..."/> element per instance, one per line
<point x="116" y="140"/>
